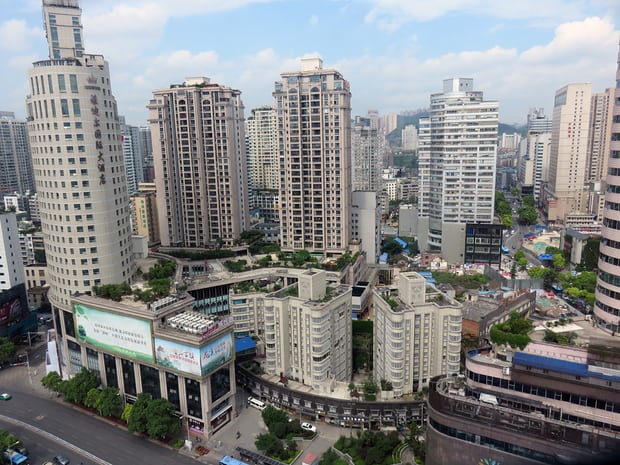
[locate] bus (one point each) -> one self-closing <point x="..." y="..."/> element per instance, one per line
<point x="228" y="460"/>
<point x="254" y="402"/>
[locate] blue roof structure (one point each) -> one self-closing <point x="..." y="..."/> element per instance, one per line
<point x="244" y="343"/>
<point x="400" y="242"/>
<point x="383" y="257"/>
<point x="545" y="256"/>
<point x="425" y="274"/>
<point x="560" y="366"/>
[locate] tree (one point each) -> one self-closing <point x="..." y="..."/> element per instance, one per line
<point x="522" y="262"/>
<point x="527" y="200"/>
<point x="272" y="415"/>
<point x="537" y="272"/>
<point x="76" y="389"/>
<point x="507" y="220"/>
<point x="7" y="351"/>
<point x="109" y="403"/>
<point x="138" y="418"/>
<point x="268" y="443"/>
<point x="51" y="381"/>
<point x="126" y="412"/>
<point x="91" y="397"/>
<point x="161" y="421"/>
<point x="369" y="388"/>
<point x="332" y="458"/>
<point x="528" y="215"/>
<point x="559" y="261"/>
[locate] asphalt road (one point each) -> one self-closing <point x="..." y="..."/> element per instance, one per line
<point x="49" y="426"/>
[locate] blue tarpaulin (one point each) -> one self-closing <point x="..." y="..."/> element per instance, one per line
<point x="545" y="256"/>
<point x="244" y="343"/>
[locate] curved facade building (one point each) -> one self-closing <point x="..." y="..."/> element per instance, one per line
<point x="78" y="162"/>
<point x="607" y="306"/>
<point x="547" y="405"/>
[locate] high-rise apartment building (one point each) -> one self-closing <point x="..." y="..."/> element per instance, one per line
<point x="366" y="223"/>
<point x="457" y="152"/>
<point x="565" y="192"/>
<point x="78" y="162"/>
<point x="314" y="122"/>
<point x="146" y="218"/>
<point x="409" y="137"/>
<point x="416" y="339"/>
<point x="15" y="161"/>
<point x="199" y="155"/>
<point x="134" y="154"/>
<point x="264" y="162"/>
<point x="607" y="293"/>
<point x="367" y="155"/>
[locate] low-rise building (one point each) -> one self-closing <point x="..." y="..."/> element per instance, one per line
<point x="545" y="404"/>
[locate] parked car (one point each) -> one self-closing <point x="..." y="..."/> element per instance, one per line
<point x="308" y="427"/>
<point x="5" y="396"/>
<point x="61" y="460"/>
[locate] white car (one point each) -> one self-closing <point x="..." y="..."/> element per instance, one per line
<point x="308" y="427"/>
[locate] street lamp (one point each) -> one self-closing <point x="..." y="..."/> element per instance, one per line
<point x="28" y="368"/>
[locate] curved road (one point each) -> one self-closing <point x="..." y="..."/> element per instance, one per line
<point x="43" y="420"/>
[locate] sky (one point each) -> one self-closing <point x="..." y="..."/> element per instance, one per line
<point x="394" y="53"/>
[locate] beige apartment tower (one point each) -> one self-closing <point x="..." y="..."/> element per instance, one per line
<point x="78" y="162"/>
<point x="568" y="158"/>
<point x="314" y="118"/>
<point x="198" y="135"/>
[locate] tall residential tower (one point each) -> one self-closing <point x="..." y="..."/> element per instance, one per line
<point x="458" y="145"/>
<point x="78" y="162"/>
<point x="198" y="139"/>
<point x="314" y="121"/>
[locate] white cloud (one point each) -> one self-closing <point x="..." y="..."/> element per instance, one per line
<point x="519" y="80"/>
<point x="16" y="36"/>
<point x="392" y="14"/>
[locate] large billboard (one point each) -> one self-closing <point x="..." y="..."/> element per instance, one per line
<point x="216" y="353"/>
<point x="177" y="356"/>
<point x="127" y="336"/>
<point x="198" y="362"/>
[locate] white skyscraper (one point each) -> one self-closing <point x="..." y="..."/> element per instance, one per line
<point x="367" y="154"/>
<point x="15" y="160"/>
<point x="457" y="151"/>
<point x="78" y="162"/>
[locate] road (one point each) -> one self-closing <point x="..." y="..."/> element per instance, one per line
<point x="50" y="426"/>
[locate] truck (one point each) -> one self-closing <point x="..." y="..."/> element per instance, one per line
<point x="13" y="457"/>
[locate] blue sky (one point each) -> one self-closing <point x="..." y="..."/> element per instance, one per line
<point x="395" y="53"/>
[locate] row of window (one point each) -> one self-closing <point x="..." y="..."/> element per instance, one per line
<point x="541" y="391"/>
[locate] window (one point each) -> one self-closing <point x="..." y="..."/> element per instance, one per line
<point x="73" y="82"/>
<point x="76" y="107"/>
<point x="62" y="86"/>
<point x="64" y="107"/>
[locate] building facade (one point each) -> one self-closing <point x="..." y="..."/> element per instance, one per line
<point x="78" y="162"/>
<point x="367" y="155"/>
<point x="366" y="223"/>
<point x="15" y="161"/>
<point x="607" y="293"/>
<point x="198" y="136"/>
<point x="457" y="159"/>
<point x="264" y="155"/>
<point x="566" y="191"/>
<point x="416" y="336"/>
<point x="314" y="123"/>
<point x="545" y="404"/>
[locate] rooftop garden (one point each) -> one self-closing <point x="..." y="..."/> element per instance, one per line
<point x="513" y="332"/>
<point x="157" y="286"/>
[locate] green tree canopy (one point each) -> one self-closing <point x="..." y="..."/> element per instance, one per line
<point x="109" y="403"/>
<point x="161" y="419"/>
<point x="528" y="215"/>
<point x="512" y="332"/>
<point x="138" y="418"/>
<point x="76" y="389"/>
<point x="7" y="351"/>
<point x="51" y="381"/>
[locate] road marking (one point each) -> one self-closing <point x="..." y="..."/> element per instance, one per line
<point x="68" y="445"/>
